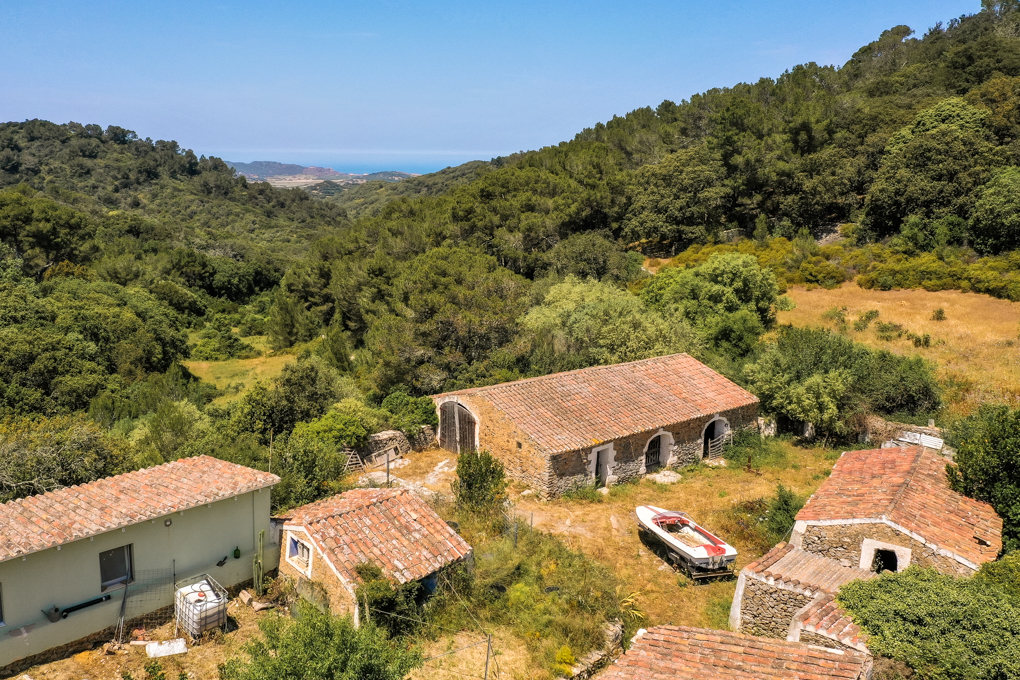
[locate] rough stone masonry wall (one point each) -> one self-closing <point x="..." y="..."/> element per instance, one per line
<point x="824" y="641"/>
<point x="500" y="437"/>
<point x="767" y="610"/>
<point x="340" y="600"/>
<point x="843" y="542"/>
<point x="573" y="468"/>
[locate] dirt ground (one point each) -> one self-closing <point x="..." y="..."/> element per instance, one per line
<point x="977" y="342"/>
<point x="199" y="663"/>
<point x="607" y="530"/>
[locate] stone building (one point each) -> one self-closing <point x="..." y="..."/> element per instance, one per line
<point x="824" y="624"/>
<point x="602" y="424"/>
<point x="682" y="653"/>
<point x="324" y="542"/>
<point x="74" y="561"/>
<point x="885" y="509"/>
<point x="775" y="593"/>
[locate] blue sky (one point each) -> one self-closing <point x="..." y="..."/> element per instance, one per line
<point x="363" y="86"/>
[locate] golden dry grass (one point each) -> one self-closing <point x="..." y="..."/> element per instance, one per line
<point x="977" y="342"/>
<point x="237" y="371"/>
<point x="509" y="661"/>
<point x="607" y="531"/>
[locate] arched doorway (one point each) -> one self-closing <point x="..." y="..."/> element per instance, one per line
<point x="711" y="437"/>
<point x="653" y="454"/>
<point x="456" y="428"/>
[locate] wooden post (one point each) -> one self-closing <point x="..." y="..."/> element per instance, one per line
<point x="387" y="468"/>
<point x="488" y="653"/>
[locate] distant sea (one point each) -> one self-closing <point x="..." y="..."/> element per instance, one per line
<point x="357" y="164"/>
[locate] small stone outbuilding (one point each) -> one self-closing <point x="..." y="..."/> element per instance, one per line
<point x="602" y="424"/>
<point x="682" y="653"/>
<point x="776" y="591"/>
<point x="825" y="624"/>
<point x="886" y="509"/>
<point x="324" y="542"/>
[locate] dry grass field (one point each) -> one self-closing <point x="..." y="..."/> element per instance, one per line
<point x="245" y="372"/>
<point x="976" y="347"/>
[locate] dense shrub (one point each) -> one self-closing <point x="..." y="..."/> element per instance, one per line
<point x="481" y="483"/>
<point x="943" y="627"/>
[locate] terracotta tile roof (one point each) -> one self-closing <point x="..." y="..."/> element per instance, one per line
<point x="681" y="653"/>
<point x="47" y="520"/>
<point x="825" y="617"/>
<point x="802" y="569"/>
<point x="907" y="486"/>
<point x="572" y="410"/>
<point x="393" y="528"/>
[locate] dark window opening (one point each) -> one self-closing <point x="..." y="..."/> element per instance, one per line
<point x="885" y="560"/>
<point x="115" y="567"/>
<point x="654" y="453"/>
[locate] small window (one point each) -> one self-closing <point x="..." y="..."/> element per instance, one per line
<point x="885" y="560"/>
<point x="115" y="567"/>
<point x="299" y="552"/>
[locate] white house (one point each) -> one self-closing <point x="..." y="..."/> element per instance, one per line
<point x="73" y="561"/>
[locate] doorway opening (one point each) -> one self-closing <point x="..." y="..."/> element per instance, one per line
<point x="653" y="455"/>
<point x="456" y="428"/>
<point x="713" y="438"/>
<point x="602" y="467"/>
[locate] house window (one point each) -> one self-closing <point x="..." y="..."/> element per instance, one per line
<point x="115" y="567"/>
<point x="299" y="553"/>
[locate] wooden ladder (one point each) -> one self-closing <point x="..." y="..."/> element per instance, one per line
<point x="353" y="463"/>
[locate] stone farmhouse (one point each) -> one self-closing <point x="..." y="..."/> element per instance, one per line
<point x="602" y="424"/>
<point x="73" y="561"/>
<point x="324" y="542"/>
<point x="886" y="509"/>
<point x="784" y="594"/>
<point x="682" y="653"/>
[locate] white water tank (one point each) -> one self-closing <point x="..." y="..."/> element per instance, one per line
<point x="200" y="605"/>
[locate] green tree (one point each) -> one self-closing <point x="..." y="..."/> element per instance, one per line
<point x="680" y="200"/>
<point x="995" y="220"/>
<point x="44" y="454"/>
<point x="321" y="647"/>
<point x="600" y="324"/>
<point x="988" y="464"/>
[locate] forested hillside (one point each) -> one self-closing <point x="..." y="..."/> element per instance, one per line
<point x="122" y="256"/>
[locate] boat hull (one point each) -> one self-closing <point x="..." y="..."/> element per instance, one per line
<point x="696" y="559"/>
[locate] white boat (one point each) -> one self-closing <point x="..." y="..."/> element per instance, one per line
<point x="700" y="551"/>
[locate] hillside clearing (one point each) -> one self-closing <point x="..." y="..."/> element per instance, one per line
<point x="241" y="373"/>
<point x="975" y="348"/>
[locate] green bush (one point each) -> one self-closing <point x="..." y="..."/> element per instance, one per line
<point x="943" y="627"/>
<point x="319" y="646"/>
<point x="481" y="482"/>
<point x="390" y="605"/>
<point x="410" y="413"/>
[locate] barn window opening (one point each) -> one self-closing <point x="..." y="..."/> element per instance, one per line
<point x="654" y="453"/>
<point x="885" y="560"/>
<point x="299" y="552"/>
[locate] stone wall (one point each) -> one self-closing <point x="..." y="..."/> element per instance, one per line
<point x="374" y="451"/>
<point x="576" y="468"/>
<point x="423" y="439"/>
<point x="824" y="641"/>
<point x="843" y="542"/>
<point x="323" y="579"/>
<point x="767" y="610"/>
<point x="519" y="454"/>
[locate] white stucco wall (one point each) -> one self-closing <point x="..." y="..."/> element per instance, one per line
<point x="195" y="541"/>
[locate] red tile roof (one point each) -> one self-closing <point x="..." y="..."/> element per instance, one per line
<point x="907" y="486"/>
<point x="392" y="528"/>
<point x="681" y="653"/>
<point x="47" y="520"/>
<point x="802" y="569"/>
<point x="572" y="410"/>
<point x="825" y="617"/>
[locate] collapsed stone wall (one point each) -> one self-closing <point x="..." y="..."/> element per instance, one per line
<point x="767" y="610"/>
<point x="375" y="448"/>
<point x="824" y="641"/>
<point x="842" y="542"/>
